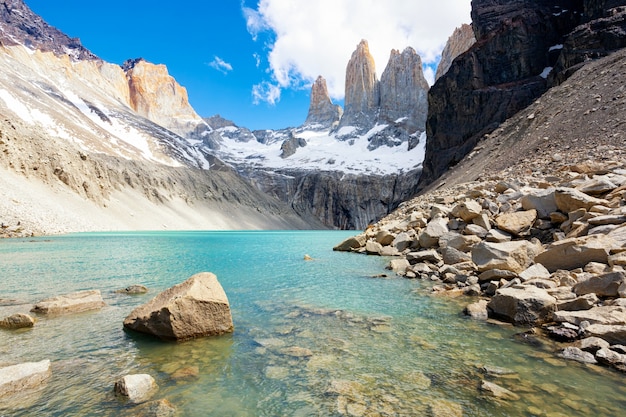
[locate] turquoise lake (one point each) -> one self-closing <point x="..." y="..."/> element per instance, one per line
<point x="376" y="346"/>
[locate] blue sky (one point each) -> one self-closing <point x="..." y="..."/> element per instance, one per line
<point x="253" y="61"/>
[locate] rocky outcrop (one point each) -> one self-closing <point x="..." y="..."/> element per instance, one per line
<point x="323" y="114"/>
<point x="362" y="94"/>
<point x="155" y="95"/>
<point x="291" y="145"/>
<point x="17" y="378"/>
<point x="518" y="45"/>
<point x="404" y="91"/>
<point x="20" y="26"/>
<point x="70" y="303"/>
<point x="460" y="41"/>
<point x="197" y="307"/>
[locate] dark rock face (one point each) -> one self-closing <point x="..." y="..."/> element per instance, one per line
<point x="19" y="25"/>
<point x="323" y="113"/>
<point x="339" y="200"/>
<point x="506" y="69"/>
<point x="291" y="145"/>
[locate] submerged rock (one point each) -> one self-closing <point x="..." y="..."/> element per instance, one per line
<point x="197" y="307"/>
<point x="77" y="302"/>
<point x="526" y="305"/>
<point x="17" y="378"/>
<point x="137" y="388"/>
<point x="17" y="321"/>
<point x="133" y="289"/>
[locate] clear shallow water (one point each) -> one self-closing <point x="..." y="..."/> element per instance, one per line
<point x="317" y="338"/>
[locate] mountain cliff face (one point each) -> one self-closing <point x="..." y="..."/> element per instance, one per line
<point x="156" y="95"/>
<point x="404" y="91"/>
<point x="323" y="114"/>
<point x="460" y="41"/>
<point x="362" y="94"/>
<point x="514" y="61"/>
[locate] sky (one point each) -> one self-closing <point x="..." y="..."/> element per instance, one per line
<point x="253" y="61"/>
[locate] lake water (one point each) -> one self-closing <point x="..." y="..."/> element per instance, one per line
<point x="312" y="338"/>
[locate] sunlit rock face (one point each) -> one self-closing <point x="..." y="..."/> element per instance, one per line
<point x="460" y="41"/>
<point x="362" y="90"/>
<point x="157" y="96"/>
<point x="323" y="114"/>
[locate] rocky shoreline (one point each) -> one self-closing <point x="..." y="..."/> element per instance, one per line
<point x="544" y="250"/>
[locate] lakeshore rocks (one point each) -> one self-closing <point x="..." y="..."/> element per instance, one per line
<point x="77" y="302"/>
<point x="17" y="378"/>
<point x="537" y="249"/>
<point x="137" y="387"/>
<point x="17" y="321"/>
<point x="525" y="305"/>
<point x="133" y="289"/>
<point x="195" y="308"/>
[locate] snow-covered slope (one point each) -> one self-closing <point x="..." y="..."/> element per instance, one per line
<point x="323" y="151"/>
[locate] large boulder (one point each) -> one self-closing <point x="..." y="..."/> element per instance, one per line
<point x="197" y="307"/>
<point x="17" y="378"/>
<point x="614" y="334"/>
<point x="77" y="302"/>
<point x="524" y="305"/>
<point x="605" y="285"/>
<point x="541" y="200"/>
<point x="351" y="243"/>
<point x="435" y="229"/>
<point x="517" y="223"/>
<point x="575" y="252"/>
<point x="513" y="256"/>
<point x="609" y="315"/>
<point x="136" y="387"/>
<point x="570" y="199"/>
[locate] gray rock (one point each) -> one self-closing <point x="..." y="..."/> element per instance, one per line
<point x="463" y="243"/>
<point x="351" y="243"/>
<point x="615" y="335"/>
<point x="436" y="228"/>
<point x="322" y="112"/>
<point x="578" y="355"/>
<point x="593" y="344"/>
<point x="575" y="253"/>
<point x="570" y="199"/>
<point x="373" y="248"/>
<point x="611" y="358"/>
<point x="477" y="310"/>
<point x="609" y="315"/>
<point x="453" y="256"/>
<point x="398" y="266"/>
<point x="584" y="302"/>
<point x="510" y="256"/>
<point x="136" y="387"/>
<point x="541" y="200"/>
<point x="496" y="274"/>
<point x="70" y="303"/>
<point x="17" y="378"/>
<point x="522" y="305"/>
<point x="536" y="271"/>
<point x="605" y="285"/>
<point x="197" y="307"/>
<point x="430" y="255"/>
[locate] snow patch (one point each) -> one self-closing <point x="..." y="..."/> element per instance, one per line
<point x="546" y="71"/>
<point x="555" y="47"/>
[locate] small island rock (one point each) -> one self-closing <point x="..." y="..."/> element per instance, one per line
<point x="17" y="378"/>
<point x="17" y="321"/>
<point x="77" y="302"/>
<point x="138" y="387"/>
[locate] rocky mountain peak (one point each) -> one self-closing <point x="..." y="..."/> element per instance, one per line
<point x="460" y="41"/>
<point x="19" y="25"/>
<point x="322" y="111"/>
<point x="156" y="95"/>
<point x="404" y="91"/>
<point x="362" y="90"/>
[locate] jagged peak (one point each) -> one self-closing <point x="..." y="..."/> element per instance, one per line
<point x="19" y="25"/>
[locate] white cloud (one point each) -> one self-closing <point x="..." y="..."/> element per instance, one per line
<point x="266" y="92"/>
<point x="220" y="65"/>
<point x="312" y="38"/>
